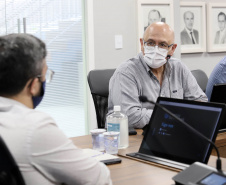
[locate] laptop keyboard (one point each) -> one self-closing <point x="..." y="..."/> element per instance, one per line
<point x="159" y="160"/>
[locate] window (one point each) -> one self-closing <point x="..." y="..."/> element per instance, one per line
<point x="59" y="23"/>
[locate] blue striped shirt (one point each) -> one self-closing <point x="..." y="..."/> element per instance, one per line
<point x="217" y="76"/>
<point x="134" y="78"/>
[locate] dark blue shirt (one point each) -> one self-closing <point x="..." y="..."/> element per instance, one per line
<point x="218" y="76"/>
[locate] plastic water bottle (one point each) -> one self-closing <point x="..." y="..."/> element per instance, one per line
<point x="118" y="122"/>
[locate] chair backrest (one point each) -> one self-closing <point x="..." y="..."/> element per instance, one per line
<point x="98" y="83"/>
<point x="9" y="171"/>
<point x="201" y="78"/>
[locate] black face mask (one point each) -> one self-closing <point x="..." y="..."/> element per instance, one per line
<point x="37" y="99"/>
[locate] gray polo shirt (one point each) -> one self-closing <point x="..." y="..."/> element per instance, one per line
<point x="134" y="78"/>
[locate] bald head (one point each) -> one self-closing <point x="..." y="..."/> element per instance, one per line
<point x="159" y="30"/>
<point x="159" y="33"/>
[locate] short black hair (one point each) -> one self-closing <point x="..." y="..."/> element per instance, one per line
<point x="21" y="58"/>
<point x="221" y="13"/>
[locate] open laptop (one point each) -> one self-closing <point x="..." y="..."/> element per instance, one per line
<point x="219" y="95"/>
<point x="167" y="141"/>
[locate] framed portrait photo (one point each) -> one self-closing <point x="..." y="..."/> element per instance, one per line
<point x="216" y="27"/>
<point x="150" y="11"/>
<point x="193" y="27"/>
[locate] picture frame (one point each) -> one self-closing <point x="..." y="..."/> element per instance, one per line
<point x="193" y="27"/>
<point x="216" y="27"/>
<point x="149" y="11"/>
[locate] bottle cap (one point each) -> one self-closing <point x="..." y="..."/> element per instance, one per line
<point x="117" y="108"/>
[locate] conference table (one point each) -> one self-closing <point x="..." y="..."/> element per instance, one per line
<point x="133" y="172"/>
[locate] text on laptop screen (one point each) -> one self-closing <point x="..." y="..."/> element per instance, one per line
<point x="170" y="139"/>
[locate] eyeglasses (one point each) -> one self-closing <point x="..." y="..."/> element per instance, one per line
<point x="161" y="46"/>
<point x="49" y="75"/>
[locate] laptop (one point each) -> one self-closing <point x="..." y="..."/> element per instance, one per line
<point x="168" y="142"/>
<point x="219" y="95"/>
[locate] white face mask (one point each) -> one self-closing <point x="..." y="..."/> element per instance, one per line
<point x="154" y="58"/>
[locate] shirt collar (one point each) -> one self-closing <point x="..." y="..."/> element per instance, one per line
<point x="8" y="101"/>
<point x="188" y="30"/>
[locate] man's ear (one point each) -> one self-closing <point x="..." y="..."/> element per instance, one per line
<point x="142" y="45"/>
<point x="172" y="50"/>
<point x="33" y="86"/>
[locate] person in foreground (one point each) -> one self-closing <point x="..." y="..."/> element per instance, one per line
<point x="42" y="152"/>
<point x="151" y="74"/>
<point x="218" y="76"/>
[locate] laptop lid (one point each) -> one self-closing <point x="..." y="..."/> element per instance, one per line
<point x="218" y="93"/>
<point x="167" y="138"/>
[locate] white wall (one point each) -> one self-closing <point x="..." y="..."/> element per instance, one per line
<point x="112" y="17"/>
<point x="119" y="17"/>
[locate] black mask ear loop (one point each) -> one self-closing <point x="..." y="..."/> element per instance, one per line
<point x="167" y="58"/>
<point x="169" y="87"/>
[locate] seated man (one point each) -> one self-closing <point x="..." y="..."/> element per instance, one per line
<point x="43" y="153"/>
<point x="151" y="74"/>
<point x="218" y="76"/>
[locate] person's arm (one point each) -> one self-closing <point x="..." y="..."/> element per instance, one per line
<point x="217" y="76"/>
<point x="209" y="87"/>
<point x="55" y="156"/>
<point x="124" y="90"/>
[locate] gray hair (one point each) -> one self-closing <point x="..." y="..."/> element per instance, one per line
<point x="21" y="58"/>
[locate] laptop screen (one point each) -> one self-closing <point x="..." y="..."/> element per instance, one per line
<point x="167" y="138"/>
<point x="218" y="93"/>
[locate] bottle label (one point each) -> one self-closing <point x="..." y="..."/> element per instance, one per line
<point x="115" y="127"/>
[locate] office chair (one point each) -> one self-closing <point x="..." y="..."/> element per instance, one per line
<point x="9" y="171"/>
<point x="201" y="78"/>
<point x="98" y="81"/>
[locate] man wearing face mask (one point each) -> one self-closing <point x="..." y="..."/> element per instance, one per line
<point x="42" y="152"/>
<point x="151" y="73"/>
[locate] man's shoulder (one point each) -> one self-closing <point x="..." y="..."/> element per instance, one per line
<point x="222" y="63"/>
<point x="15" y="112"/>
<point x="218" y="32"/>
<point x="175" y="61"/>
<point x="129" y="65"/>
<point x="195" y="31"/>
<point x="33" y="116"/>
<point x="218" y="72"/>
<point x="39" y="117"/>
<point x="183" y="32"/>
<point x="177" y="64"/>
